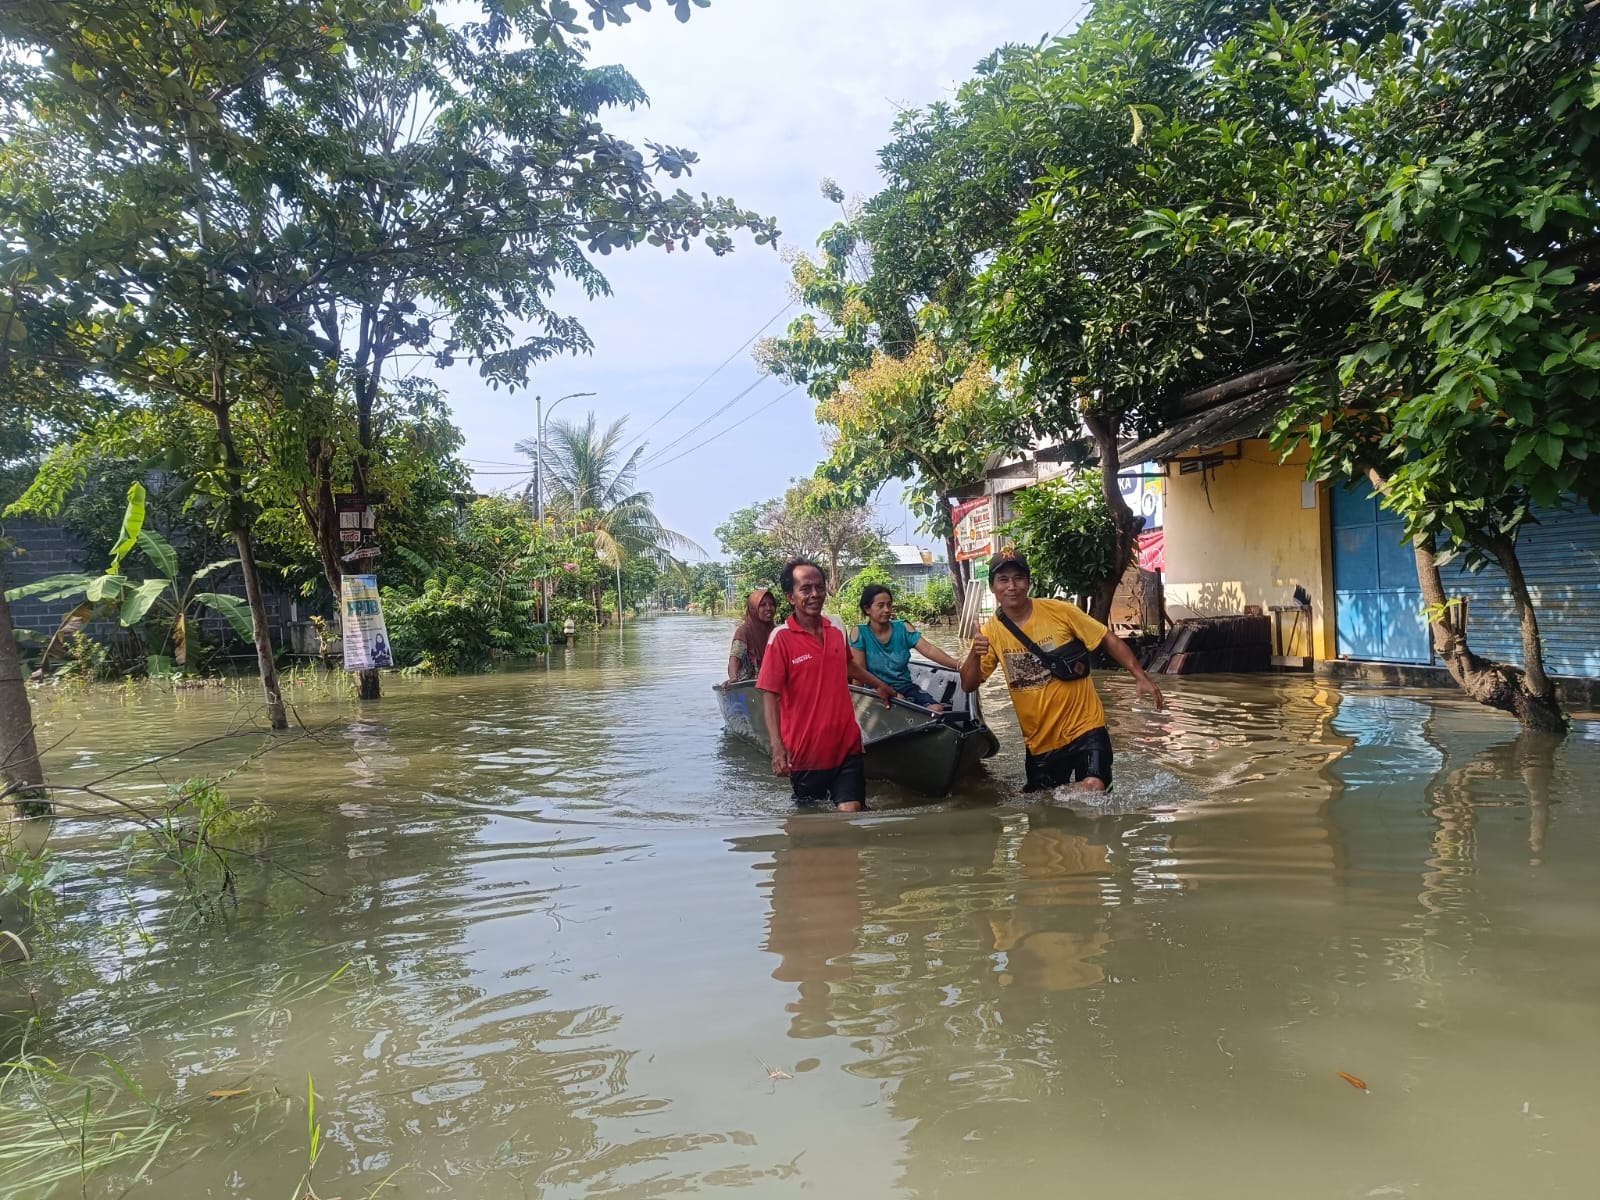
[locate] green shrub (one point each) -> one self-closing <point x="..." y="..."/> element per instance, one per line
<point x="941" y="596"/>
<point x="1065" y="528"/>
<point x="846" y="602"/>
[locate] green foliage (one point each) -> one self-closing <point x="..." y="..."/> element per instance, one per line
<point x="917" y="607"/>
<point x="940" y="598"/>
<point x="84" y="658"/>
<point x="1066" y="529"/>
<point x="164" y="603"/>
<point x="481" y="603"/>
<point x="591" y="483"/>
<point x="756" y="558"/>
<point x="712" y="599"/>
<point x="889" y="362"/>
<point x="846" y="602"/>
<point x="810" y="521"/>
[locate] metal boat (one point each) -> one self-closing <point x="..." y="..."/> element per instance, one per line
<point x="905" y="743"/>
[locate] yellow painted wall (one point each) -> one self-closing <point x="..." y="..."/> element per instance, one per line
<point x="1237" y="535"/>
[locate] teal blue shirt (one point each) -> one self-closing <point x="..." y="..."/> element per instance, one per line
<point x="891" y="661"/>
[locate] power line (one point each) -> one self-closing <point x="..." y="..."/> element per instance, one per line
<point x="656" y="455"/>
<point x="679" y="404"/>
<point x="730" y="428"/>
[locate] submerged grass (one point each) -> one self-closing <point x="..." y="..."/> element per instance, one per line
<point x="61" y="1124"/>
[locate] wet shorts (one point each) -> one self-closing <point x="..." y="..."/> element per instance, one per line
<point x="1085" y="757"/>
<point x="917" y="696"/>
<point x="844" y="784"/>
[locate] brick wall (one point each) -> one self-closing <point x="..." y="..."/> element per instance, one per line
<point x="39" y="550"/>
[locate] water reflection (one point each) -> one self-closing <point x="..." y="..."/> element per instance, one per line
<point x="584" y="932"/>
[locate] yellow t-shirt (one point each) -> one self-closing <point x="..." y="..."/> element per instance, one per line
<point x="1052" y="712"/>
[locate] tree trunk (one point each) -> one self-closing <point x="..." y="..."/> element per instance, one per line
<point x="244" y="544"/>
<point x="1103" y="428"/>
<point x="321" y="513"/>
<point x="1527" y="695"/>
<point x="958" y="583"/>
<point x="367" y="376"/>
<point x="19" y="753"/>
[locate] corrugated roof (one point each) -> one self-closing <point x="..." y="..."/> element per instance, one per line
<point x="1234" y="421"/>
<point x="907" y="556"/>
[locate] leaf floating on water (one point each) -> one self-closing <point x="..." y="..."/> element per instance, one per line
<point x="1354" y="1081"/>
<point x="226" y="1093"/>
<point x="773" y="1072"/>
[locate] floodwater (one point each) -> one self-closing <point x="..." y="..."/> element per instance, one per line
<point x="593" y="953"/>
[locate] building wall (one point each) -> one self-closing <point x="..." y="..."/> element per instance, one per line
<point x="1241" y="533"/>
<point x="40" y="549"/>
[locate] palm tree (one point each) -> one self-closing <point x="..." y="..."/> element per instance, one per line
<point x="592" y="485"/>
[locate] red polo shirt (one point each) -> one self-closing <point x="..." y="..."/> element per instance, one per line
<point x="812" y="682"/>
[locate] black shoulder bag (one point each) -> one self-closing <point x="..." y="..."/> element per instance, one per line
<point x="1067" y="663"/>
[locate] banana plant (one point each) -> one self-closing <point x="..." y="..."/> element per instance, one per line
<point x="130" y="601"/>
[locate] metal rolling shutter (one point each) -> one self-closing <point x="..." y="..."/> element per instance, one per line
<point x="1561" y="561"/>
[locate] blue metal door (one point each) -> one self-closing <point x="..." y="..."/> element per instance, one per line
<point x="1378" y="605"/>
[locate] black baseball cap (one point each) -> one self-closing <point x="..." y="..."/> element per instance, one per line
<point x="1009" y="557"/>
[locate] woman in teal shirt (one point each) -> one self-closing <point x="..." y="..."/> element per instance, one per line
<point x="883" y="647"/>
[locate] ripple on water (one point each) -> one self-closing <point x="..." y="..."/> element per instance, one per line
<point x="584" y="929"/>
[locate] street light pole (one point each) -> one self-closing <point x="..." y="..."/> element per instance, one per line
<point x="539" y="419"/>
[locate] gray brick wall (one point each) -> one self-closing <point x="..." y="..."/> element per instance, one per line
<point x="39" y="550"/>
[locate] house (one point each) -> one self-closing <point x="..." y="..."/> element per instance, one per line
<point x="1233" y="526"/>
<point x="1244" y="527"/>
<point x="914" y="567"/>
<point x="1142" y="488"/>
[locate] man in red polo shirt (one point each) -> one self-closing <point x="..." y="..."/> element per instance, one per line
<point x="805" y="681"/>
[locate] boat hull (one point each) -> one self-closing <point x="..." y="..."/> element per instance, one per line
<point x="922" y="751"/>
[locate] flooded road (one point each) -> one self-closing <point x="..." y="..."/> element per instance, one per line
<point x="592" y="952"/>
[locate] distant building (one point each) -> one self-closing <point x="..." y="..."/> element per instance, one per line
<point x="914" y="567"/>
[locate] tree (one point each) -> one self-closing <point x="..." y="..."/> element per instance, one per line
<point x="592" y="483"/>
<point x="1442" y="259"/>
<point x="330" y="170"/>
<point x="1069" y="535"/>
<point x="803" y="524"/>
<point x="444" y="238"/>
<point x="895" y="376"/>
<point x="756" y="558"/>
<point x="163" y="207"/>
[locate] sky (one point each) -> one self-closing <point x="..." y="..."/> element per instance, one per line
<point x="774" y="96"/>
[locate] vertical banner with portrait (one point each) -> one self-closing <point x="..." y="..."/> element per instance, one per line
<point x="366" y="640"/>
<point x="974" y="522"/>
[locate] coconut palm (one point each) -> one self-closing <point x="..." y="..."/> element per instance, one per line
<point x="593" y="484"/>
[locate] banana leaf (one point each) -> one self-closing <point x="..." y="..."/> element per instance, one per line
<point x="57" y="587"/>
<point x="235" y="609"/>
<point x="160" y="552"/>
<point x="136" y="600"/>
<point x="132" y="526"/>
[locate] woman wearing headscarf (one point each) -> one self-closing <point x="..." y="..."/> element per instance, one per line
<point x="750" y="639"/>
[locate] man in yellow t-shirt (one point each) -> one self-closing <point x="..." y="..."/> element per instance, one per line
<point x="1062" y="721"/>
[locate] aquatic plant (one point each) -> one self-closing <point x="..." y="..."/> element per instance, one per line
<point x="64" y="1123"/>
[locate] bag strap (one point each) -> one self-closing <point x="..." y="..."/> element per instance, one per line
<point x="1028" y="643"/>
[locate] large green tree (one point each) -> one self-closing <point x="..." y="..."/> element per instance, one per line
<point x="278" y="211"/>
<point x="1439" y="226"/>
<point x="1391" y="207"/>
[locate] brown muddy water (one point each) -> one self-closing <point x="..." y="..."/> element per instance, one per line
<point x="593" y="953"/>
